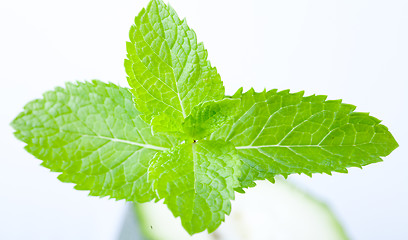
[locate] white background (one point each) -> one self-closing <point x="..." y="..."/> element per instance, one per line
<point x="356" y="50"/>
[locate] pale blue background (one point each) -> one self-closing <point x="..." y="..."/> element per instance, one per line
<point x="355" y="49"/>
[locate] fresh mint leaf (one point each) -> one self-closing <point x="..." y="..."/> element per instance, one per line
<point x="165" y="124"/>
<point x="167" y="69"/>
<point x="93" y="135"/>
<point x="209" y="116"/>
<point x="197" y="181"/>
<point x="280" y="133"/>
<point x="179" y="138"/>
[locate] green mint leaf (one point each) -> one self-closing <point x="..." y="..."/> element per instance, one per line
<point x="165" y="124"/>
<point x="105" y="140"/>
<point x="209" y="116"/>
<point x="280" y="133"/>
<point x="167" y="69"/>
<point x="197" y="181"/>
<point x="93" y="134"/>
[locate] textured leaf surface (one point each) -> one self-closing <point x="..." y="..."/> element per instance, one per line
<point x="280" y="133"/>
<point x="197" y="182"/>
<point x="163" y="123"/>
<point x="207" y="117"/>
<point x="92" y="133"/>
<point x="167" y="69"/>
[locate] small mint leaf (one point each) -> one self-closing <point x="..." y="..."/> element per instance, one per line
<point x="162" y="123"/>
<point x="209" y="116"/>
<point x="197" y="181"/>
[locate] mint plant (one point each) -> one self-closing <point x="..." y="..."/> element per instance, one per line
<point x="174" y="135"/>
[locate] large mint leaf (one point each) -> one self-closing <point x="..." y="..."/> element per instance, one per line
<point x="209" y="116"/>
<point x="197" y="181"/>
<point x="280" y="133"/>
<point x="167" y="69"/>
<point x="92" y="133"/>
